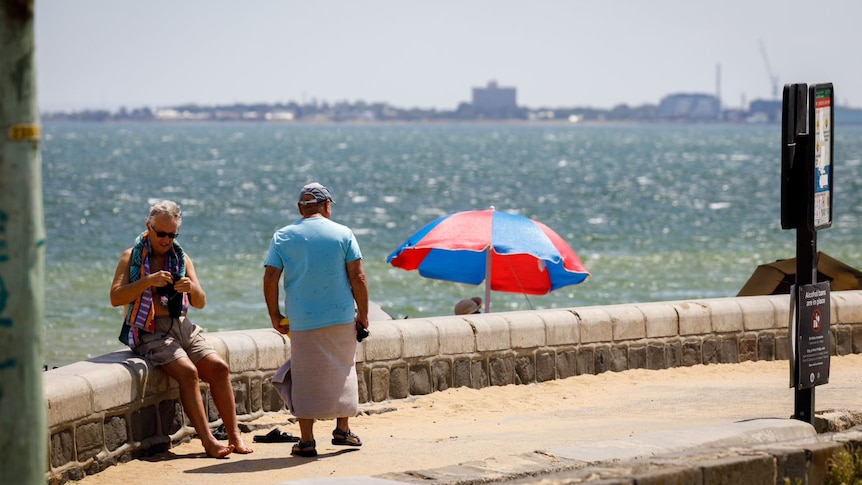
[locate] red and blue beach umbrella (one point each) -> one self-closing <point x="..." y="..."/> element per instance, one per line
<point x="508" y="252"/>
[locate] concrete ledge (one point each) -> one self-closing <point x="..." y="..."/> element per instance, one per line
<point x="627" y="322"/>
<point x="527" y="330"/>
<point x="694" y="318"/>
<point x="661" y="320"/>
<point x="740" y="434"/>
<point x="755" y="451"/>
<point x="491" y="331"/>
<point x="847" y="306"/>
<point x="456" y="335"/>
<point x="343" y="481"/>
<point x="117" y="406"/>
<point x="67" y="398"/>
<point x="418" y="340"/>
<point x="724" y="315"/>
<point x="758" y="313"/>
<point x="595" y="325"/>
<point x="385" y="344"/>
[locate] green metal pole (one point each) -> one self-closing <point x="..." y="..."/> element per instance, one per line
<point x="23" y="421"/>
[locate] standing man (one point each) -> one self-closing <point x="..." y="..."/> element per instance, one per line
<point x="323" y="277"/>
<point x="157" y="281"/>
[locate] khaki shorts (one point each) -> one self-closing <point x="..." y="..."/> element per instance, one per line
<point x="172" y="339"/>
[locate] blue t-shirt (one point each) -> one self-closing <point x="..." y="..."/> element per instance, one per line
<point x="312" y="253"/>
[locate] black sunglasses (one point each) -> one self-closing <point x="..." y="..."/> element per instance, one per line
<point x="172" y="235"/>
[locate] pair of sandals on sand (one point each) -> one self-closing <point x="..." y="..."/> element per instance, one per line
<point x="308" y="448"/>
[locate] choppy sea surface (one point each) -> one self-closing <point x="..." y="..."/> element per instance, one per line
<point x="656" y="212"/>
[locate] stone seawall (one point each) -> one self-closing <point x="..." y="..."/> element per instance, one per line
<point x="117" y="407"/>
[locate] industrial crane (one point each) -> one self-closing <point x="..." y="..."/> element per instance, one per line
<point x="773" y="79"/>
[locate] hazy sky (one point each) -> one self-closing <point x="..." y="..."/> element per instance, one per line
<point x="429" y="54"/>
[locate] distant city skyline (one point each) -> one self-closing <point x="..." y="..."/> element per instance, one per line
<point x="100" y="54"/>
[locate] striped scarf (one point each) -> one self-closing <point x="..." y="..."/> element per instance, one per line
<point x="140" y="312"/>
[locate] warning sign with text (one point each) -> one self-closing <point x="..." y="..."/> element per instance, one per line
<point x="814" y="344"/>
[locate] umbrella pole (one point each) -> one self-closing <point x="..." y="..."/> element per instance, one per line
<point x="488" y="281"/>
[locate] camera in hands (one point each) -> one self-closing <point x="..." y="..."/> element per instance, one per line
<point x="361" y="333"/>
<point x="175" y="298"/>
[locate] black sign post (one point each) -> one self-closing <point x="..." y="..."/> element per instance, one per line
<point x="806" y="205"/>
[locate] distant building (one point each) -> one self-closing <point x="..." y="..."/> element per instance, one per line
<point x="690" y="107"/>
<point x="494" y="101"/>
<point x="765" y="111"/>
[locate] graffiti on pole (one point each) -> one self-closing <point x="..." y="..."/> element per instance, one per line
<point x="4" y="257"/>
<point x="4" y="294"/>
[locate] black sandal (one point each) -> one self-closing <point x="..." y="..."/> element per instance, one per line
<point x="276" y="436"/>
<point x="220" y="433"/>
<point x="345" y="438"/>
<point x="302" y="449"/>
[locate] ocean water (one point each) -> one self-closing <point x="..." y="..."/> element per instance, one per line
<point x="656" y="212"/>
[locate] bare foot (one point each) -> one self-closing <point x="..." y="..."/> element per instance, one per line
<point x="217" y="450"/>
<point x="240" y="447"/>
<point x="235" y="440"/>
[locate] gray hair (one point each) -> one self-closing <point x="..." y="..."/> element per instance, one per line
<point x="168" y="208"/>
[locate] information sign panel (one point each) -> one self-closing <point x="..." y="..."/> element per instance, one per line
<point x="814" y="345"/>
<point x="821" y="119"/>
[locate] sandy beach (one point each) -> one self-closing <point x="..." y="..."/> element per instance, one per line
<point x="460" y="425"/>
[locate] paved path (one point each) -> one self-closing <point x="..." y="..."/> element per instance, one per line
<point x="460" y="425"/>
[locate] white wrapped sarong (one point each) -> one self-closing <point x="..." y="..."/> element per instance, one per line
<point x="318" y="381"/>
